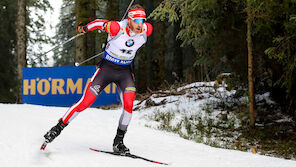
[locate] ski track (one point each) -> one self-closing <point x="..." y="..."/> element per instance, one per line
<point x="23" y="126"/>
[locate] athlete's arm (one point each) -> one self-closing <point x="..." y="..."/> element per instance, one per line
<point x="96" y="24"/>
<point x="111" y="27"/>
<point x="147" y="27"/>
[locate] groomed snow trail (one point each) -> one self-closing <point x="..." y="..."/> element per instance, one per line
<point x="23" y="126"/>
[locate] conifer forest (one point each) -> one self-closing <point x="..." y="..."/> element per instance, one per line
<point x="248" y="45"/>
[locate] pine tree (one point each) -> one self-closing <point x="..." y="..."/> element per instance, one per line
<point x="36" y="34"/>
<point x="283" y="52"/>
<point x="66" y="28"/>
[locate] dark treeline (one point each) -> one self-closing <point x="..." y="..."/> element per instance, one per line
<point x="160" y="62"/>
<point x="8" y="11"/>
<point x="33" y="36"/>
<point x="193" y="40"/>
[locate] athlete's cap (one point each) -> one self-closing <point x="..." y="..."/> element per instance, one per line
<point x="137" y="14"/>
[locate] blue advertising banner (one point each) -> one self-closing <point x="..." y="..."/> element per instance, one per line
<point x="62" y="86"/>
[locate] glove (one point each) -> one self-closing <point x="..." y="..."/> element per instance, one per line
<point x="81" y="28"/>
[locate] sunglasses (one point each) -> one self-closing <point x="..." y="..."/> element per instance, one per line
<point x="139" y="20"/>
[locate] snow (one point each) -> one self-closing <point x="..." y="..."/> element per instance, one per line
<point x="196" y="96"/>
<point x="22" y="128"/>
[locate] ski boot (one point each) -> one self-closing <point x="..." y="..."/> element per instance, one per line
<point x="118" y="146"/>
<point x="54" y="131"/>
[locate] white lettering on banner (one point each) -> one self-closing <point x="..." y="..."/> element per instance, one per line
<point x="125" y="62"/>
<point x="117" y="61"/>
<point x="112" y="59"/>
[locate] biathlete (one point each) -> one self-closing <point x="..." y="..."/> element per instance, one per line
<point x="124" y="39"/>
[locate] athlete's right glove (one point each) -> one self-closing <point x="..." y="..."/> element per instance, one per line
<point x="81" y="28"/>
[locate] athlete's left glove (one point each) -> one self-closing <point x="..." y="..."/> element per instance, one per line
<point x="81" y="28"/>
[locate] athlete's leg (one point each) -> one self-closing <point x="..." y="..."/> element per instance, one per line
<point x="127" y="91"/>
<point x="89" y="96"/>
<point x="127" y="95"/>
<point x="86" y="100"/>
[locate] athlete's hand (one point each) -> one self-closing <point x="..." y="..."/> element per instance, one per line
<point x="81" y="28"/>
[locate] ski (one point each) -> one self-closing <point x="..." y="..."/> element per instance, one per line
<point x="128" y="155"/>
<point x="43" y="145"/>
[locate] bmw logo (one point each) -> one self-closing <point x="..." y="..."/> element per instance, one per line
<point x="130" y="43"/>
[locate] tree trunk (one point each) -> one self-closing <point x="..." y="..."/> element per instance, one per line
<point x="91" y="37"/>
<point x="85" y="45"/>
<point x="250" y="65"/>
<point x="207" y="73"/>
<point x="80" y="41"/>
<point x="21" y="44"/>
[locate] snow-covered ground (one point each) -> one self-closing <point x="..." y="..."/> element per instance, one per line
<point x="188" y="106"/>
<point x="22" y="128"/>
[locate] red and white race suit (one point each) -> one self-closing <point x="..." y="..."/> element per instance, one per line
<point x="120" y="51"/>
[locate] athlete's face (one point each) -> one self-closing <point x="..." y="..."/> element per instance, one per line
<point x="135" y="27"/>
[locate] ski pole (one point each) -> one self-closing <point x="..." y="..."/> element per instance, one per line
<point x="129" y="6"/>
<point x="59" y="45"/>
<point x="78" y="64"/>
